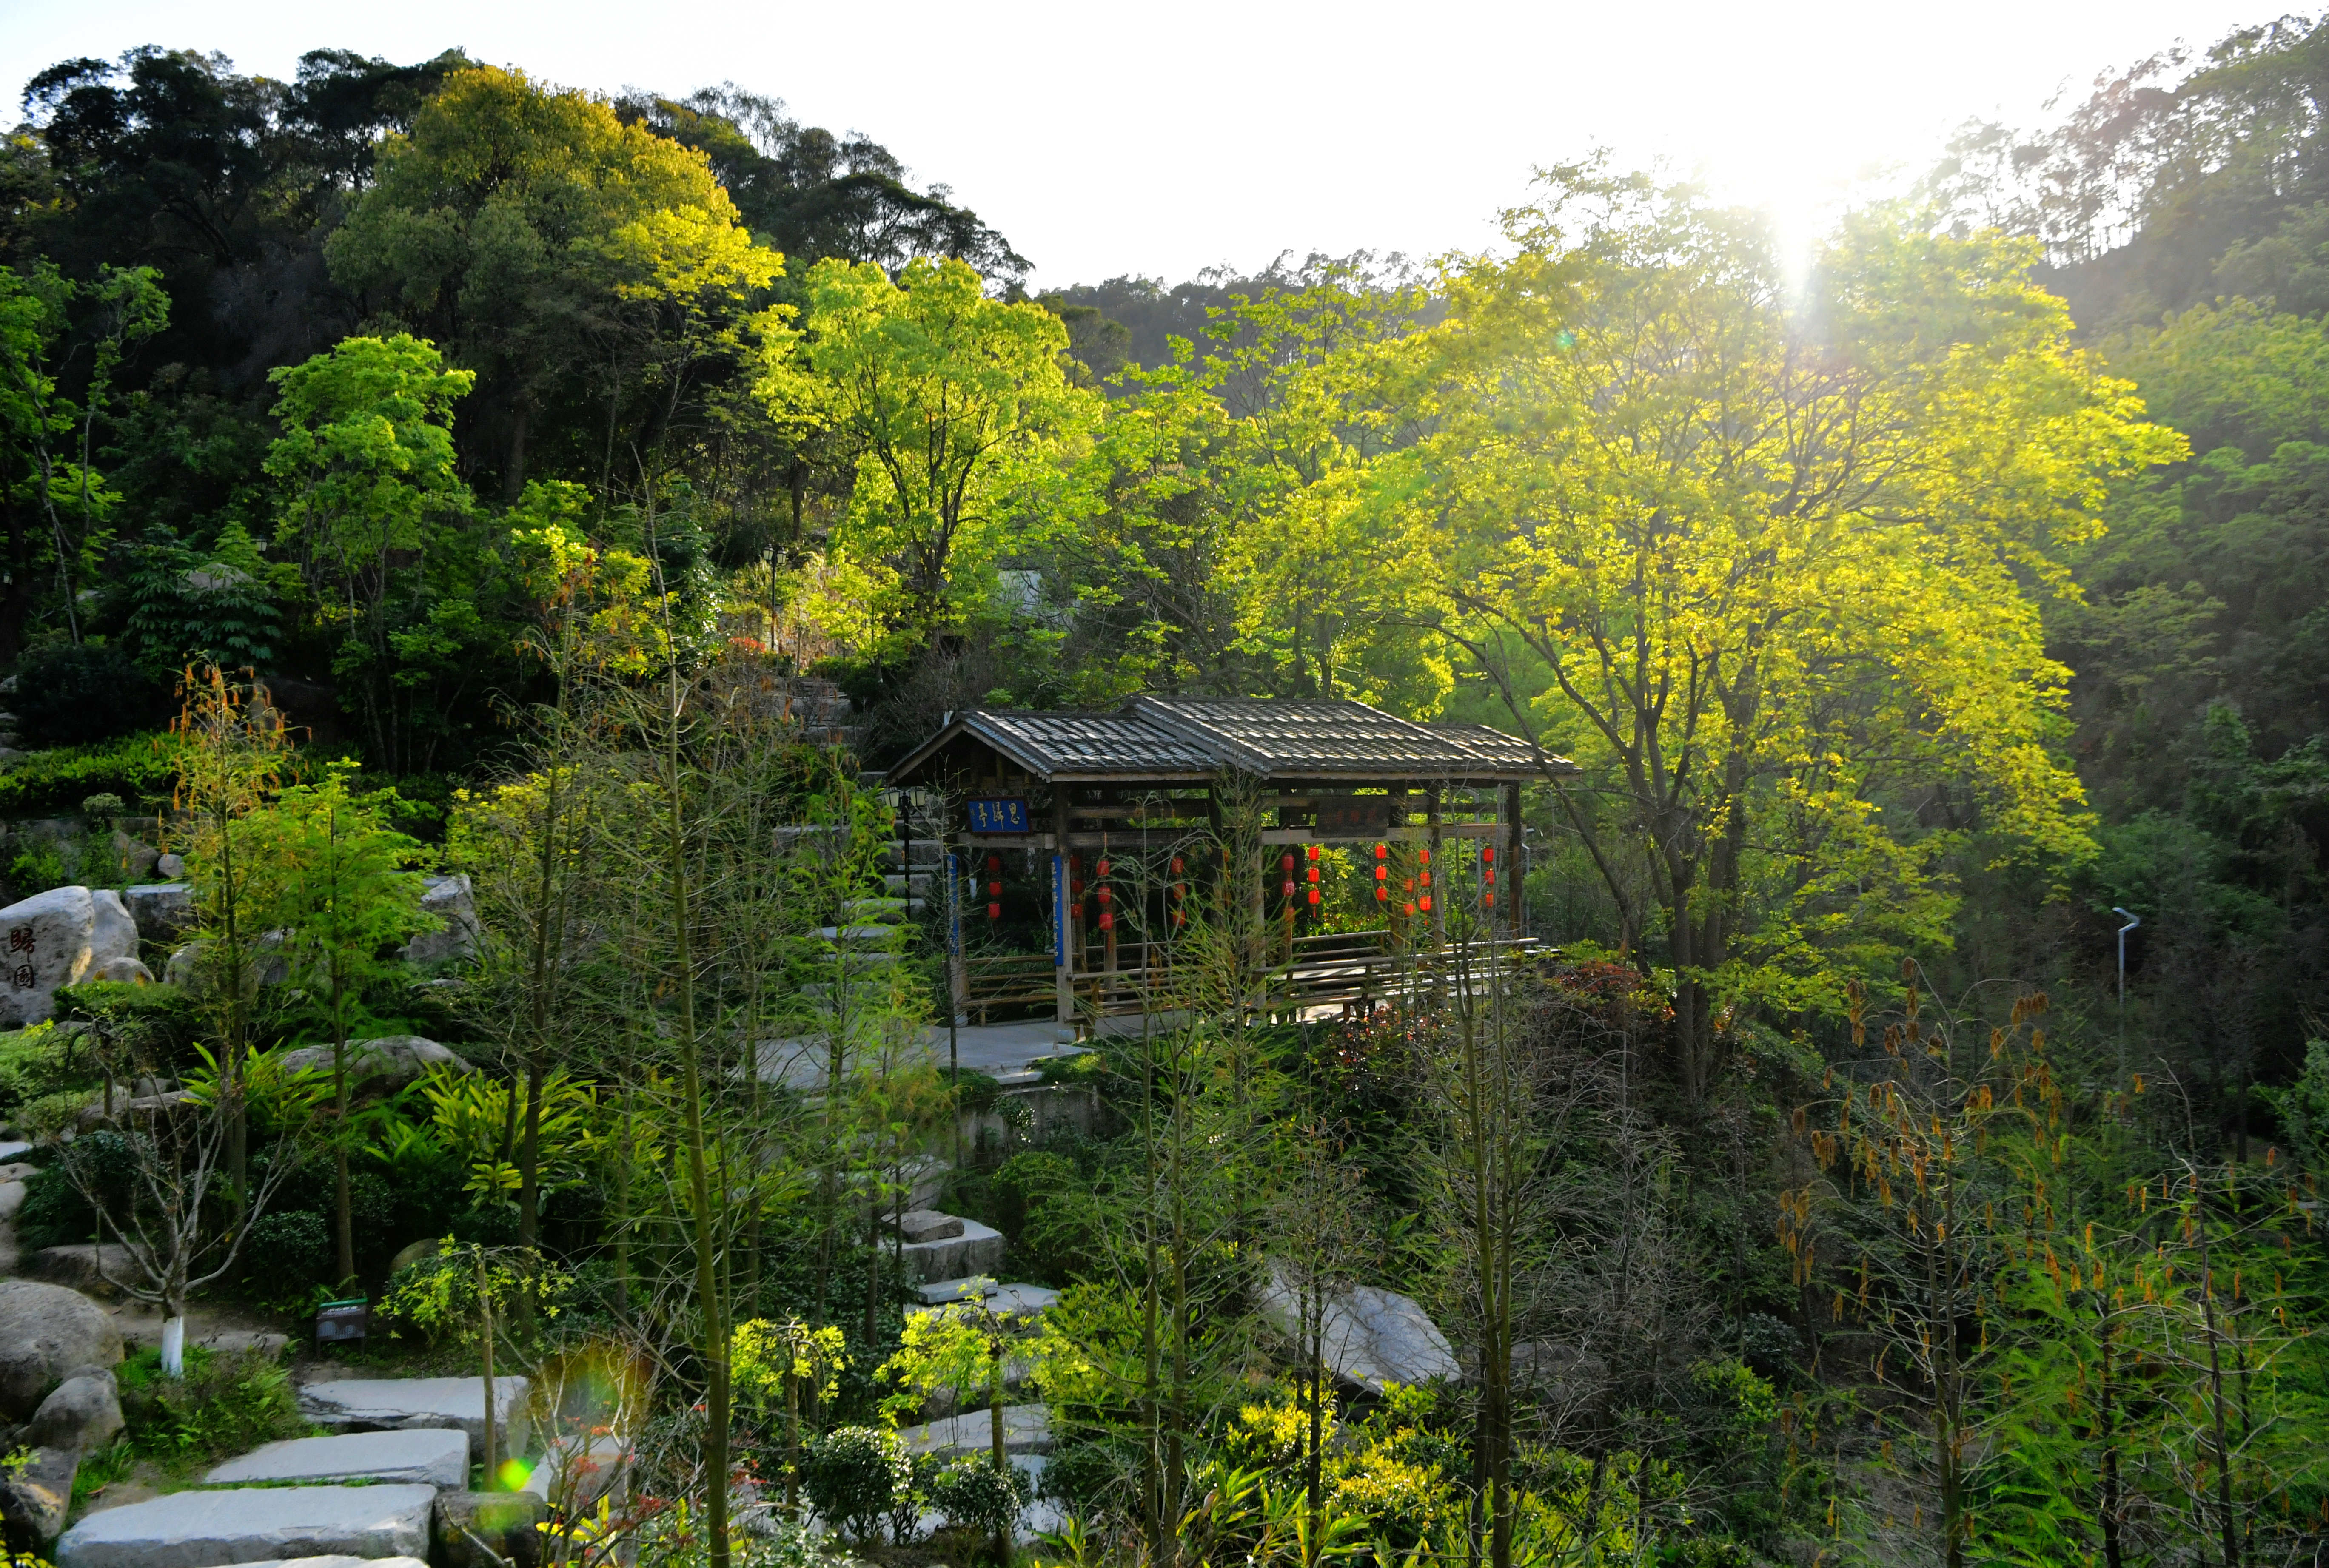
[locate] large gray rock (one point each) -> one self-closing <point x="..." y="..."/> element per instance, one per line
<point x="1370" y="1337"/>
<point x="81" y="1414"/>
<point x="57" y="938"/>
<point x="133" y="856"/>
<point x="407" y="1404"/>
<point x="435" y="1458"/>
<point x="391" y="1059"/>
<point x="256" y="1524"/>
<point x="502" y="1521"/>
<point x="163" y="911"/>
<point x="124" y="970"/>
<point x="86" y="1268"/>
<point x="1019" y="1301"/>
<point x="449" y="899"/>
<point x="928" y="1225"/>
<point x="977" y="1249"/>
<point x="45" y="1332"/>
<point x="170" y="865"/>
<point x="34" y="1499"/>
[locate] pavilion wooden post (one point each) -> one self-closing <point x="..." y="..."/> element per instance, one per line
<point x="1063" y="933"/>
<point x="1512" y="883"/>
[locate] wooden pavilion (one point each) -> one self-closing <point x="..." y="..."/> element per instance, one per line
<point x="1100" y="832"/>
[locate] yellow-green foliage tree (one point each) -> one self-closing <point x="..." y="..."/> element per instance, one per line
<point x="1767" y="556"/>
<point x="956" y="412"/>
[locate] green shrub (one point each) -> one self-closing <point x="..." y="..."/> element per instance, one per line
<point x="147" y="1023"/>
<point x="138" y="768"/>
<point x="974" y="1494"/>
<point x="1023" y="1181"/>
<point x="228" y="1403"/>
<point x="53" y="1213"/>
<point x="855" y="1476"/>
<point x="295" y="1245"/>
<point x="43" y="1060"/>
<point x="976" y="1092"/>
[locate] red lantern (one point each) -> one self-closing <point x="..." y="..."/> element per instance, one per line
<point x="995" y="862"/>
<point x="1102" y="868"/>
<point x="1311" y="874"/>
<point x="1314" y="898"/>
<point x="994" y="889"/>
<point x="1289" y="889"/>
<point x="1382" y="873"/>
<point x="1410" y="907"/>
<point x="1382" y="851"/>
<point x="1427" y="878"/>
<point x="1177" y="867"/>
<point x="994" y="911"/>
<point x="1382" y="894"/>
<point x="1424" y="856"/>
<point x="1312" y="850"/>
<point x="1107" y="920"/>
<point x="1411" y="884"/>
<point x="1489" y="899"/>
<point x="1488" y="853"/>
<point x="1427" y="902"/>
<point x="1286" y="861"/>
<point x="1104" y="896"/>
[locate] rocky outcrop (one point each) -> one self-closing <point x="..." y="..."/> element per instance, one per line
<point x="35" y="1497"/>
<point x="1370" y="1337"/>
<point x="45" y="1332"/>
<point x="449" y="899"/>
<point x="55" y="938"/>
<point x="82" y="1413"/>
<point x="392" y="1060"/>
<point x="163" y="911"/>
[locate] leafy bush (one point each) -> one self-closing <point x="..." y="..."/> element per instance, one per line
<point x="1023" y="1181"/>
<point x="855" y="1476"/>
<point x="73" y="695"/>
<point x="228" y="1403"/>
<point x="137" y="768"/>
<point x="295" y="1244"/>
<point x="974" y="1494"/>
<point x="43" y="1060"/>
<point x="53" y="1213"/>
<point x="154" y="1023"/>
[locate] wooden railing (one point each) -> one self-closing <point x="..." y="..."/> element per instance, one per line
<point x="1351" y="970"/>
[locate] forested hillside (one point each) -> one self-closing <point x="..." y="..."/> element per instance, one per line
<point x="583" y="500"/>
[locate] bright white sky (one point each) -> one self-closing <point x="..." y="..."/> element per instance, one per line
<point x="1161" y="139"/>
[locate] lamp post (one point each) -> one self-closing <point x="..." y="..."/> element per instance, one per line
<point x="2133" y="920"/>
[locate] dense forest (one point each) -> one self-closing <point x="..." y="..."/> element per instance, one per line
<point x="1904" y="1146"/>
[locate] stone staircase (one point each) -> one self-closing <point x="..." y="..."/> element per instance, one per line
<point x="391" y="1482"/>
<point x="954" y="1263"/>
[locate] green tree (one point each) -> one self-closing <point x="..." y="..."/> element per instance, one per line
<point x="374" y="500"/>
<point x="1774" y="560"/>
<point x="347" y="893"/>
<point x="955" y="409"/>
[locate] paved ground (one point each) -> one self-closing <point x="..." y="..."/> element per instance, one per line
<point x="1002" y="1051"/>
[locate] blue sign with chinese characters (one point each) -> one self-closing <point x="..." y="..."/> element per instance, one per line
<point x="998" y="815"/>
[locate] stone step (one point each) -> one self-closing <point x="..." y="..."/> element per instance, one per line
<point x="862" y="935"/>
<point x="881" y="911"/>
<point x="1026" y="1429"/>
<point x="976" y="1251"/>
<point x="253" y="1524"/>
<point x="429" y="1456"/>
<point x="409" y="1404"/>
<point x="1026" y="1300"/>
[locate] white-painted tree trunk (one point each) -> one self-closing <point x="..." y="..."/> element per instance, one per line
<point x="174" y="1346"/>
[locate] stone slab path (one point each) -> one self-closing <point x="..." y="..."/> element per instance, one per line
<point x="438" y="1458"/>
<point x="206" y="1529"/>
<point x="405" y="1403"/>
